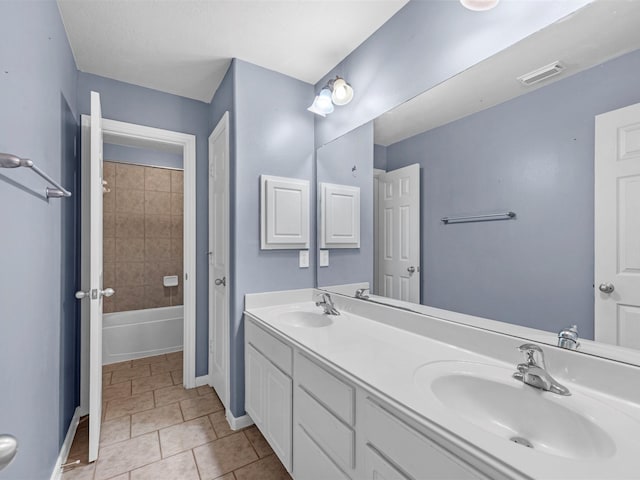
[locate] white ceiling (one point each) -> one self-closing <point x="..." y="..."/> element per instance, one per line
<point x="598" y="32"/>
<point x="184" y="47"/>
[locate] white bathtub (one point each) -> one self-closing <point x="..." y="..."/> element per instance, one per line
<point x="141" y="333"/>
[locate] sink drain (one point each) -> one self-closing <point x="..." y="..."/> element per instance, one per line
<point x="522" y="441"/>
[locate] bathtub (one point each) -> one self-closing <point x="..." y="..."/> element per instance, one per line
<point x="141" y="333"/>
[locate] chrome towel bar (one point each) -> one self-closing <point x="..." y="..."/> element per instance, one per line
<point x="478" y="218"/>
<point x="8" y="160"/>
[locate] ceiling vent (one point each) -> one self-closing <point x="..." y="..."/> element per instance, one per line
<point x="541" y="74"/>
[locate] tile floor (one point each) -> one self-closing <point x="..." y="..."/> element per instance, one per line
<point x="154" y="429"/>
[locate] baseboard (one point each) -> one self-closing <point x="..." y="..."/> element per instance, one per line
<point x="203" y="380"/>
<point x="236" y="423"/>
<point x="66" y="445"/>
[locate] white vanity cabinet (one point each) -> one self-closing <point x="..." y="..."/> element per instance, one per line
<point x="340" y="430"/>
<point x="268" y="389"/>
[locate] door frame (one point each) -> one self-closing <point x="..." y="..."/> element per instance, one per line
<point x="133" y="135"/>
<point x="222" y="124"/>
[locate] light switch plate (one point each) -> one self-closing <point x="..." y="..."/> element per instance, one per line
<point x="324" y="258"/>
<point x="304" y="259"/>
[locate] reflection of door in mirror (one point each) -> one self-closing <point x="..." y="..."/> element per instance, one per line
<point x="617" y="228"/>
<point x="397" y="234"/>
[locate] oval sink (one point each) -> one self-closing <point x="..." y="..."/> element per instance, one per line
<point x="487" y="396"/>
<point x="306" y="319"/>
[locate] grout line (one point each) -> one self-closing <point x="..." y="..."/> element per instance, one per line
<point x="193" y="454"/>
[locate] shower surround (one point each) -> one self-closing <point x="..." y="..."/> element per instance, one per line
<point x="143" y="236"/>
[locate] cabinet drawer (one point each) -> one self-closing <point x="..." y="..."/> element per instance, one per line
<point x="336" y="395"/>
<point x="405" y="447"/>
<point x="278" y="352"/>
<point x="377" y="468"/>
<point x="311" y="463"/>
<point x="332" y="435"/>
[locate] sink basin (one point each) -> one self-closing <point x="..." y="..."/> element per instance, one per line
<point x="306" y="319"/>
<point x="487" y="396"/>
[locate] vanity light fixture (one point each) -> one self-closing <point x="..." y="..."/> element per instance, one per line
<point x="479" y="5"/>
<point x="335" y="92"/>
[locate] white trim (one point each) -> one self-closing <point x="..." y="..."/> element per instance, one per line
<point x="66" y="445"/>
<point x="378" y="171"/>
<point x="129" y="134"/>
<point x="202" y="380"/>
<point x="236" y="423"/>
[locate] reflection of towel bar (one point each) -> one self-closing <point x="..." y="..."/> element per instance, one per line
<point x="478" y="218"/>
<point x="11" y="161"/>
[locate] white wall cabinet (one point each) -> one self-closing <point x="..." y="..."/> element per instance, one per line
<point x="268" y="393"/>
<point x="339" y="216"/>
<point x="284" y="213"/>
<point x="340" y="430"/>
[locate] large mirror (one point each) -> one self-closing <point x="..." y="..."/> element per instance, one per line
<point x="477" y="197"/>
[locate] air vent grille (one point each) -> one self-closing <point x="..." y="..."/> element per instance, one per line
<point x="541" y="74"/>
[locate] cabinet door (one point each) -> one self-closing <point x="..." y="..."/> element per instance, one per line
<point x="255" y="370"/>
<point x="376" y="468"/>
<point x="278" y="413"/>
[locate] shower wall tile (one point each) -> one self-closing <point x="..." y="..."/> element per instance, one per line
<point x="143" y="231"/>
<point x="177" y="181"/>
<point x="157" y="179"/>
<point x="129" y="177"/>
<point x="158" y="203"/>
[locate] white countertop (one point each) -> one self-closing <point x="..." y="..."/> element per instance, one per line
<point x="385" y="359"/>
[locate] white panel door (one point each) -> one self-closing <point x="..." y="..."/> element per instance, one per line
<point x="219" y="259"/>
<point x="255" y="374"/>
<point x="284" y="213"/>
<point x="339" y="216"/>
<point x="617" y="227"/>
<point x="96" y="288"/>
<point x="399" y="234"/>
<point x="278" y="413"/>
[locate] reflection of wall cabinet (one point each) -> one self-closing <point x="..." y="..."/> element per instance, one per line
<point x="340" y="430"/>
<point x="269" y="389"/>
<point x="339" y="216"/>
<point x="284" y="213"/>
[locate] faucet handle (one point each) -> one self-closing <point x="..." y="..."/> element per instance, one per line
<point x="529" y="350"/>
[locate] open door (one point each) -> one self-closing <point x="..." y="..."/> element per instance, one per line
<point x="617" y="227"/>
<point x="92" y="288"/>
<point x="219" y="259"/>
<point x="398" y="234"/>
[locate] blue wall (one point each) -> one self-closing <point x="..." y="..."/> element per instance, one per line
<point x="334" y="163"/>
<point x="142" y="156"/>
<point x="380" y="157"/>
<point x="537" y="160"/>
<point x="423" y="44"/>
<point x="273" y="136"/>
<point x="143" y="106"/>
<point x="38" y="321"/>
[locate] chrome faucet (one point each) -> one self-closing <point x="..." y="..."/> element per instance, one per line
<point x="327" y="304"/>
<point x="534" y="372"/>
<point x="568" y="338"/>
<point x="361" y="293"/>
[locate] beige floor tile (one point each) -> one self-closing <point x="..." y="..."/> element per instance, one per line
<point x="268" y="468"/>
<point x="258" y="441"/>
<point x="124" y="476"/>
<point x="119" y="390"/>
<point x="186" y="436"/>
<point x="175" y="356"/>
<point x="83" y="472"/>
<point x="124" y="456"/>
<point x="115" y="431"/>
<point x="129" y="373"/>
<point x="149" y="360"/>
<point x="116" y="366"/>
<point x="106" y="378"/>
<point x="167" y="395"/>
<point x="176" y="375"/>
<point x="228" y="476"/>
<point x="220" y="424"/>
<point x="199" y="406"/>
<point x="127" y="406"/>
<point x="168" y="366"/>
<point x="153" y="382"/>
<point x="205" y="390"/>
<point x="155" y="419"/>
<point x="224" y="455"/>
<point x="180" y="466"/>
